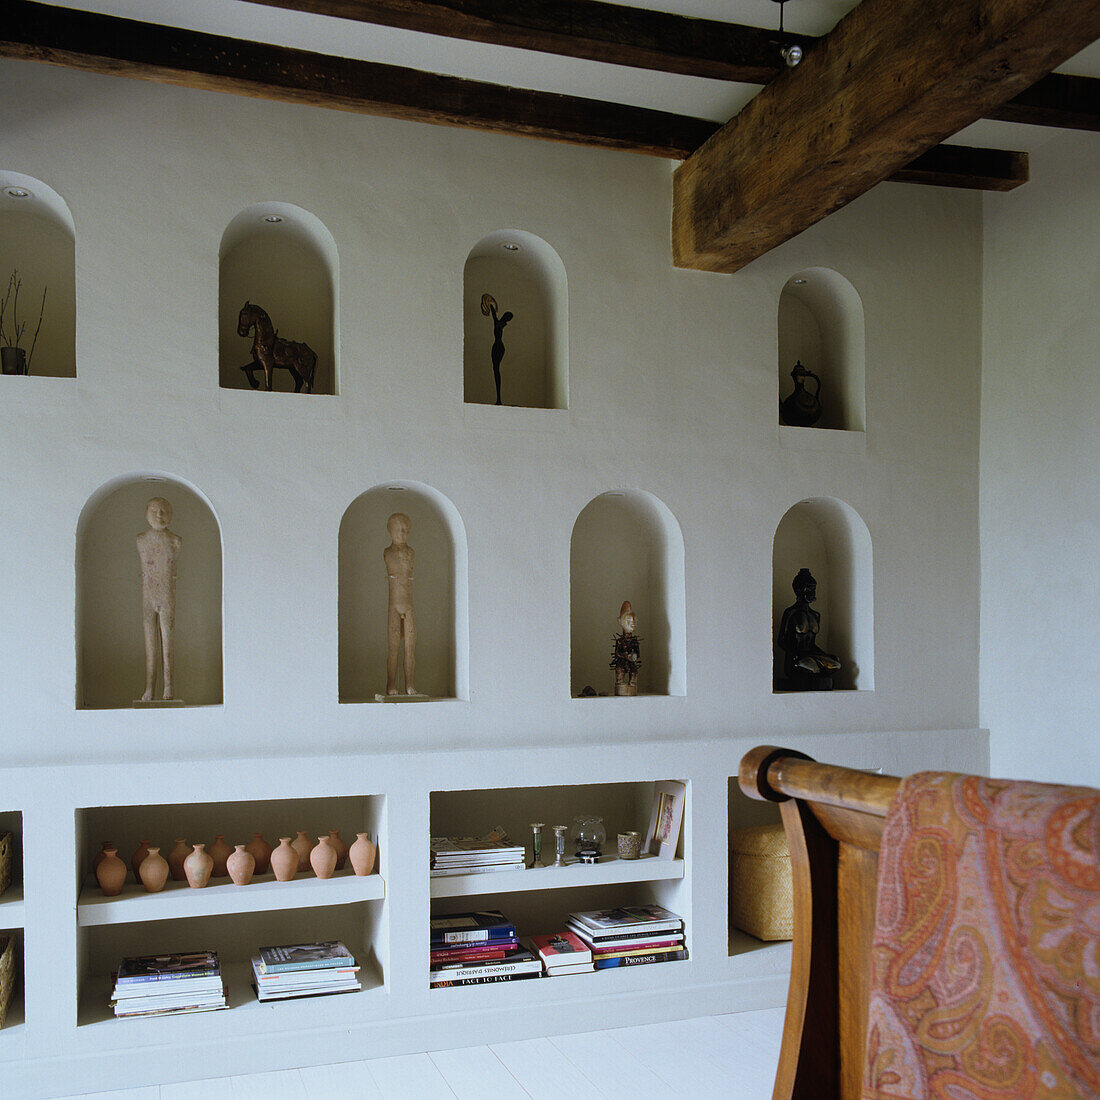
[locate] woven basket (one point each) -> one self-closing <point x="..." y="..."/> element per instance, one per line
<point x="7" y="974"/>
<point x="761" y="888"/>
<point x="5" y="861"/>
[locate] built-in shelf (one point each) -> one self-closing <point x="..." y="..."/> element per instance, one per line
<point x="262" y="894"/>
<point x="609" y="870"/>
<point x="245" y="1008"/>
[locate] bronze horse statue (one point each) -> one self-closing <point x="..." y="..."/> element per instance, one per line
<point x="269" y="351"/>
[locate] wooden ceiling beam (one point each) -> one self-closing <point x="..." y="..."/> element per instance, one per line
<point x="589" y="29"/>
<point x="125" y="47"/>
<point x="893" y="79"/>
<point x="660" y="41"/>
<point x="122" y="47"/>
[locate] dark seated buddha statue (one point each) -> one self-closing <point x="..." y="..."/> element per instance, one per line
<point x="805" y="666"/>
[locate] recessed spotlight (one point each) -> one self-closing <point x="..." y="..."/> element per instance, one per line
<point x="798" y="282"/>
<point x="396" y="488"/>
<point x="510" y="246"/>
<point x="18" y="192"/>
<point x="272" y="219"/>
<point x="616" y="494"/>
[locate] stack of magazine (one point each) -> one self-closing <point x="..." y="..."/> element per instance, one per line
<point x="477" y="948"/>
<point x="630" y="935"/>
<point x="155" y="985"/>
<point x="471" y="855"/>
<point x="304" y="970"/>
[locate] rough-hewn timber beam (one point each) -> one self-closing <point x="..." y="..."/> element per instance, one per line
<point x="1071" y="102"/>
<point x="891" y="80"/>
<point x="597" y="31"/>
<point x="965" y="166"/>
<point x="124" y="47"/>
<point x="661" y="41"/>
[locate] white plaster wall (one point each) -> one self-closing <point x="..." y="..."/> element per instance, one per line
<point x="1040" y="456"/>
<point x="672" y="392"/>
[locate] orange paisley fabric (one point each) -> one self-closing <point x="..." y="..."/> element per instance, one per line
<point x="985" y="972"/>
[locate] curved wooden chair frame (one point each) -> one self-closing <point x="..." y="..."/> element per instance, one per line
<point x="834" y="818"/>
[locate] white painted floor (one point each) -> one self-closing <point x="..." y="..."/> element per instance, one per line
<point x="712" y="1058"/>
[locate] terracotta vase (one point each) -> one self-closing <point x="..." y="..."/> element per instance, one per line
<point x="153" y="871"/>
<point x="240" y="865"/>
<point x="98" y="858"/>
<point x="362" y="854"/>
<point x="138" y="858"/>
<point x="341" y="848"/>
<point x="261" y="853"/>
<point x="303" y="846"/>
<point x="111" y="873"/>
<point x="284" y="861"/>
<point x="323" y="858"/>
<point x="176" y="856"/>
<point x="197" y="867"/>
<point x="219" y="852"/>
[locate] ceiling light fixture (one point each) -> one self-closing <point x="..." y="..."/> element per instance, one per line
<point x="792" y="52"/>
<point x="511" y="246"/>
<point x="798" y="282"/>
<point x="272" y="219"/>
<point x="18" y="192"/>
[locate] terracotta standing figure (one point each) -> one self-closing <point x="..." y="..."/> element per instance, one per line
<point x="401" y="624"/>
<point x="159" y="551"/>
<point x="627" y="657"/>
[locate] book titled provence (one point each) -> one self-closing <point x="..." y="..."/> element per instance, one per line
<point x="486" y="927"/>
<point x="305" y="956"/>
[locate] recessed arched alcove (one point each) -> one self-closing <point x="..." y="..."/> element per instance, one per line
<point x="821" y="325"/>
<point x="525" y="277"/>
<point x="38" y="240"/>
<point x="110" y="664"/>
<point x="627" y="545"/>
<point x="440" y="593"/>
<point x="829" y="538"/>
<point x="283" y="259"/>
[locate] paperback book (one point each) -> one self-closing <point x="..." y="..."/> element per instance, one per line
<point x="516" y="962"/>
<point x="163" y="968"/>
<point x="152" y="985"/>
<point x="452" y="981"/>
<point x="466" y="928"/>
<point x="303" y="983"/>
<point x="640" y="960"/>
<point x="561" y="948"/>
<point x="651" y="918"/>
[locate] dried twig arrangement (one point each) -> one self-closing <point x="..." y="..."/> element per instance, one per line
<point x="12" y="336"/>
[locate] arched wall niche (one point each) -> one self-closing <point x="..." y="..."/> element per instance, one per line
<point x="282" y="258"/>
<point x="527" y="279"/>
<point x="440" y="593"/>
<point x="627" y="545"/>
<point x="821" y="323"/>
<point x="38" y="239"/>
<point x="829" y="538"/>
<point x="110" y="660"/>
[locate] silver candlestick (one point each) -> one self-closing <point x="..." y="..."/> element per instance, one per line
<point x="559" y="845"/>
<point x="536" y="844"/>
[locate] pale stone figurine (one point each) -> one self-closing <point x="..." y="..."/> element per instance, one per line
<point x="159" y="551"/>
<point x="626" y="658"/>
<point x="401" y="625"/>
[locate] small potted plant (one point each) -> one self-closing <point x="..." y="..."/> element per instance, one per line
<point x="14" y="358"/>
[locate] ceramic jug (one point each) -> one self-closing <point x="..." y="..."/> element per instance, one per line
<point x="802" y="408"/>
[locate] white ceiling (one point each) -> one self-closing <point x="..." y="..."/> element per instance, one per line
<point x="685" y="95"/>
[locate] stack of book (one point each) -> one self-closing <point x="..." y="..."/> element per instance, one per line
<point x="470" y="855"/>
<point x="304" y="970"/>
<point x="630" y="935"/>
<point x="477" y="948"/>
<point x="563" y="953"/>
<point x="155" y="985"/>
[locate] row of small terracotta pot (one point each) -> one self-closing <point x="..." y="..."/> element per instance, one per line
<point x="198" y="866"/>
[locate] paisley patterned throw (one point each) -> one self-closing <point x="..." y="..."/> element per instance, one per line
<point x="986" y="956"/>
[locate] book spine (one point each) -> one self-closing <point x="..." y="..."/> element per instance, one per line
<point x="527" y="966"/>
<point x="474" y="935"/>
<point x="485" y="980"/>
<point x="175" y="976"/>
<point x="467" y="955"/>
<point x="638" y="960"/>
<point x="316" y="964"/>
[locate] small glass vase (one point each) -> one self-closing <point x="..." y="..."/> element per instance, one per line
<point x="588" y="837"/>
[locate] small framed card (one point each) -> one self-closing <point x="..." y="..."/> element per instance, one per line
<point x="664" y="822"/>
